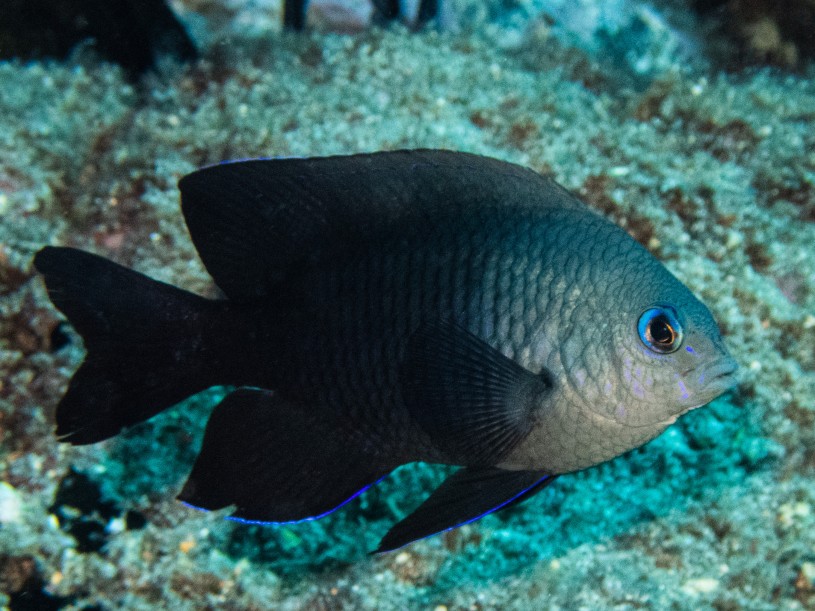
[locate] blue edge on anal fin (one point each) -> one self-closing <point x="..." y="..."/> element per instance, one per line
<point x="517" y="497"/>
<point x="298" y="521"/>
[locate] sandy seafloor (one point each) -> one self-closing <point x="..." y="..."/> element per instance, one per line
<point x="714" y="172"/>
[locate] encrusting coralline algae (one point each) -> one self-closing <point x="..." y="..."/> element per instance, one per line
<point x="713" y="173"/>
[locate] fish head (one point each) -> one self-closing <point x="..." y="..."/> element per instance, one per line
<point x="670" y="357"/>
<point x="651" y="351"/>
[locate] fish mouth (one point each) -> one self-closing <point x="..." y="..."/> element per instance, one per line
<point x="714" y="379"/>
<point x="721" y="374"/>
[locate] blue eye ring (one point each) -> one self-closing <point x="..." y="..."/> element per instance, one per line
<point x="660" y="330"/>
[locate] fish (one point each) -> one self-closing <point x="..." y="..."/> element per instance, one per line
<point x="387" y="308"/>
<point x="136" y="34"/>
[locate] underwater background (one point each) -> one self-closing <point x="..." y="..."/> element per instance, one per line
<point x="690" y="124"/>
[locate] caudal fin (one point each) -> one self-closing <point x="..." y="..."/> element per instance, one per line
<point x="144" y="342"/>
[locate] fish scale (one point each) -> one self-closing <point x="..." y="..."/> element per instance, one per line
<point x="363" y="394"/>
<point x="387" y="308"/>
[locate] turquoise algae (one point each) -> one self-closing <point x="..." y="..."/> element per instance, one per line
<point x="712" y="172"/>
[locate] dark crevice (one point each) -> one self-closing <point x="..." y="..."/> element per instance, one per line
<point x="82" y="511"/>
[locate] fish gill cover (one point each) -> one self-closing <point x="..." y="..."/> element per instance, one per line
<point x="712" y="171"/>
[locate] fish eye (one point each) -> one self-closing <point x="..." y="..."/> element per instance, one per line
<point x="660" y="330"/>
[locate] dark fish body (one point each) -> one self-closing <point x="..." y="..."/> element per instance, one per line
<point x="407" y="306"/>
<point x="136" y="34"/>
<point x="508" y="279"/>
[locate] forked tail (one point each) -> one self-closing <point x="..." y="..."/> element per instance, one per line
<point x="149" y="345"/>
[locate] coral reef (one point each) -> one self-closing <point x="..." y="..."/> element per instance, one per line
<point x="714" y="173"/>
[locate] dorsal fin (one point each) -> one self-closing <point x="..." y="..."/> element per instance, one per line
<point x="256" y="222"/>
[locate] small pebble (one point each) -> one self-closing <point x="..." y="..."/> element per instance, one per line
<point x="402" y="558"/>
<point x="701" y="585"/>
<point x="10" y="504"/>
<point x="789" y="512"/>
<point x="186" y="545"/>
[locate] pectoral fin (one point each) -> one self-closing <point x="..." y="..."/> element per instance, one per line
<point x="467" y="495"/>
<point x="474" y="402"/>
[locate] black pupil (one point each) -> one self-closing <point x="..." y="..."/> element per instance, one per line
<point x="661" y="331"/>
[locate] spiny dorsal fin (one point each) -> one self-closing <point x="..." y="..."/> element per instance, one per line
<point x="257" y="222"/>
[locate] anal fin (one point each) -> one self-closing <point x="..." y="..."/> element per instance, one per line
<point x="467" y="495"/>
<point x="275" y="462"/>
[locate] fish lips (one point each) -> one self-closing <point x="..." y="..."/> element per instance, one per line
<point x="711" y="380"/>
